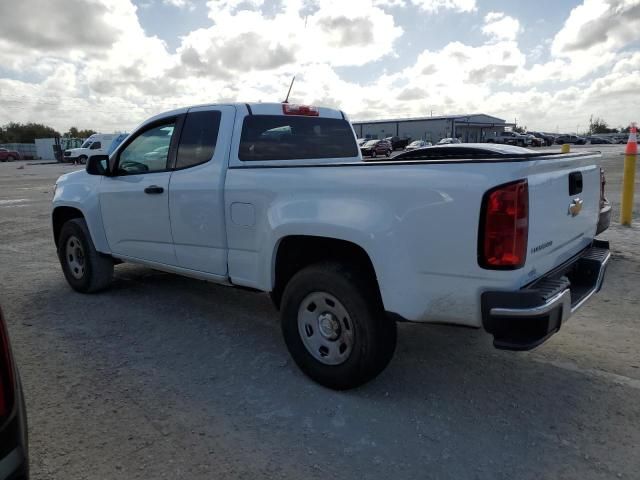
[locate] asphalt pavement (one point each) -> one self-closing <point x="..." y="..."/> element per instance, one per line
<point x="167" y="377"/>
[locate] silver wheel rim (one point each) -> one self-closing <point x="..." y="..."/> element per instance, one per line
<point x="74" y="254"/>
<point x="325" y="328"/>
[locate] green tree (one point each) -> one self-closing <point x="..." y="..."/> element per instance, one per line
<point x="75" y="133"/>
<point x="599" y="125"/>
<point x="25" y="133"/>
<point x="520" y="129"/>
<point x="72" y="133"/>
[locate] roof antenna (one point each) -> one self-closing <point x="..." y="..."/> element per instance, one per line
<point x="286" y="100"/>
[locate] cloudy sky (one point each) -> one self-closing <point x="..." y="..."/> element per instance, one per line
<point x="109" y="64"/>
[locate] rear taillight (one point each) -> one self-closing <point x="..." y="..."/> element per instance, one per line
<point x="504" y="227"/>
<point x="7" y="385"/>
<point x="305" y="110"/>
<point x="603" y="182"/>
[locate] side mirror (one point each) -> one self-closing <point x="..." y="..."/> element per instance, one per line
<point x="98" y="164"/>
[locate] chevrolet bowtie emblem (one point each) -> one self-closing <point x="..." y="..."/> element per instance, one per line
<point x="575" y="207"/>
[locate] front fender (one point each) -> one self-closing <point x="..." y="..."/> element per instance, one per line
<point x="79" y="190"/>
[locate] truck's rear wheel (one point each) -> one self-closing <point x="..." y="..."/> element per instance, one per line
<point x="334" y="326"/>
<point x="85" y="269"/>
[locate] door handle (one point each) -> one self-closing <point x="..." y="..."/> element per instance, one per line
<point x="153" y="189"/>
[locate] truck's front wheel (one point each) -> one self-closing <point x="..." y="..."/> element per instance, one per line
<point x="334" y="326"/>
<point x="85" y="269"/>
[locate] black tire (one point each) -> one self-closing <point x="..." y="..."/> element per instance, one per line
<point x="97" y="269"/>
<point x="490" y="141"/>
<point x="82" y="159"/>
<point x="374" y="335"/>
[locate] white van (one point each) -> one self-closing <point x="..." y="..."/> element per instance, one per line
<point x="96" y="144"/>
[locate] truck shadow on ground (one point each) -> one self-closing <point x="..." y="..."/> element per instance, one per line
<point x="214" y="351"/>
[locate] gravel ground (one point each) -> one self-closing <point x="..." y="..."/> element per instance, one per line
<point x="167" y="377"/>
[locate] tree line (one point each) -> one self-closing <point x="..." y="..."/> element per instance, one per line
<point x="599" y="125"/>
<point x="27" y="132"/>
<point x="596" y="125"/>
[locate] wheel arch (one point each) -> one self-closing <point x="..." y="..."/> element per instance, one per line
<point x="295" y="252"/>
<point x="62" y="215"/>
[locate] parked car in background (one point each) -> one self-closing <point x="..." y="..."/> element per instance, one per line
<point x="398" y="143"/>
<point x="417" y="144"/>
<point x="509" y="138"/>
<point x="373" y="148"/>
<point x="14" y="452"/>
<point x="534" y="141"/>
<point x="8" y="155"/>
<point x="572" y="139"/>
<point x="547" y="139"/>
<point x="448" y="141"/>
<point x="599" y="141"/>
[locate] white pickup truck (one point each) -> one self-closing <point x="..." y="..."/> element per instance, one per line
<point x="276" y="198"/>
<point x="509" y="138"/>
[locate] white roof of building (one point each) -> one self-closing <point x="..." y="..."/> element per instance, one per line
<point x="438" y="117"/>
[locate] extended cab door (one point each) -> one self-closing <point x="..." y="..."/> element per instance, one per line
<point x="196" y="189"/>
<point x="134" y="200"/>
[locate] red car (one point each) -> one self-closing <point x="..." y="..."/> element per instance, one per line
<point x="14" y="452"/>
<point x="8" y="155"/>
<point x="373" y="148"/>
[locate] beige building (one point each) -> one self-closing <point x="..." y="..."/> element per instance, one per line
<point x="468" y="128"/>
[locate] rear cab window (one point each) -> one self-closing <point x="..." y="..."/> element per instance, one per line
<point x="292" y="137"/>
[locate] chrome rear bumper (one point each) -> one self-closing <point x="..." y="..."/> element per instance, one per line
<point x="524" y="319"/>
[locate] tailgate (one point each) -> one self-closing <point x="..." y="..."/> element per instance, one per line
<point x="564" y="205"/>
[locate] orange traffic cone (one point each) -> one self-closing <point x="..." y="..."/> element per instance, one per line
<point x="632" y="143"/>
<point x="629" y="177"/>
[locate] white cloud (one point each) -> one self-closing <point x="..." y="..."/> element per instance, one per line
<point x="430" y="6"/>
<point x="598" y="26"/>
<point x="389" y="3"/>
<point x="499" y="26"/>
<point x="244" y="55"/>
<point x="435" y="5"/>
<point x="242" y="39"/>
<point x="188" y="4"/>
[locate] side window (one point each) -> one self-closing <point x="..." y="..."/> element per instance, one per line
<point x="148" y="152"/>
<point x="95" y="146"/>
<point x="198" y="138"/>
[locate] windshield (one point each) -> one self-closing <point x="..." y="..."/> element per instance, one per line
<point x="86" y="144"/>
